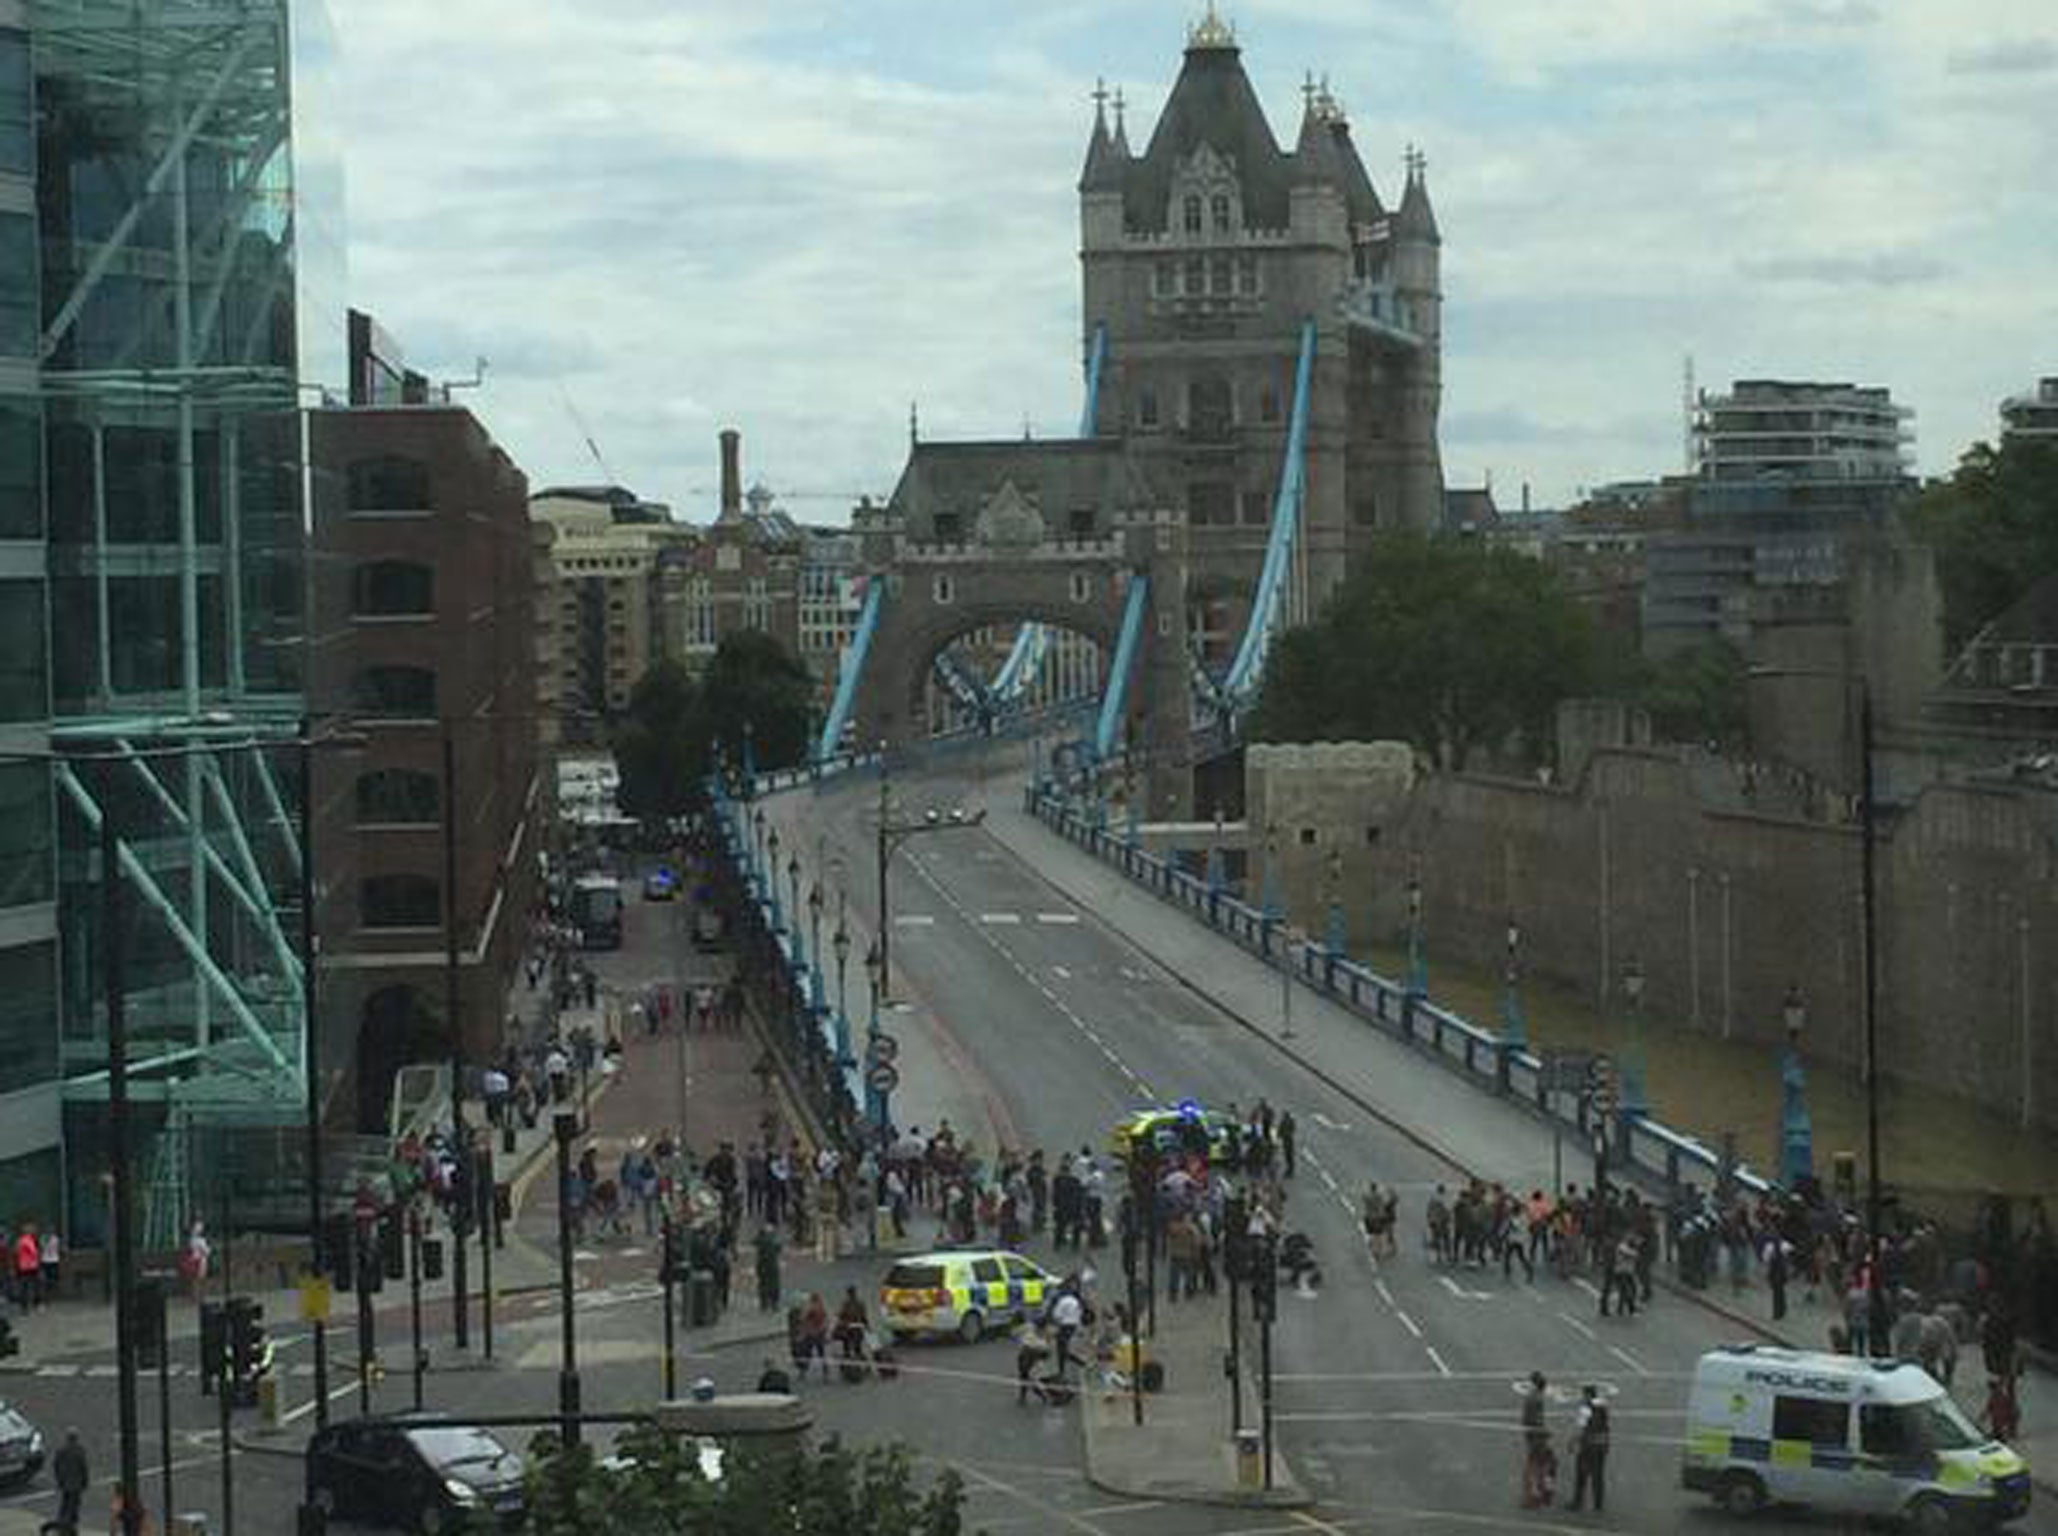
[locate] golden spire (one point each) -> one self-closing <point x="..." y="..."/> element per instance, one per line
<point x="1211" y="31"/>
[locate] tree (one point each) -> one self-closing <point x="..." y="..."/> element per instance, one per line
<point x="656" y="1485"/>
<point x="665" y="745"/>
<point x="1695" y="694"/>
<point x="661" y="746"/>
<point x="1452" y="646"/>
<point x="1993" y="524"/>
<point x="754" y="679"/>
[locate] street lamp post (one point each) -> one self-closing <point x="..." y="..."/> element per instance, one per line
<point x="875" y="972"/>
<point x="1215" y="877"/>
<point x="840" y="942"/>
<point x="1418" y="962"/>
<point x="565" y="1126"/>
<point x="814" y="944"/>
<point x="800" y="956"/>
<point x="1334" y="937"/>
<point x="757" y="844"/>
<point x="1513" y="1035"/>
<point x="772" y="882"/>
<point x="1796" y="1133"/>
<point x="888" y="839"/>
<point x="1635" y="1102"/>
<point x="1270" y="894"/>
<point x="454" y="1022"/>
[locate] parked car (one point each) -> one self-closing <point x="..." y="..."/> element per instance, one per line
<point x="21" y="1447"/>
<point x="417" y="1472"/>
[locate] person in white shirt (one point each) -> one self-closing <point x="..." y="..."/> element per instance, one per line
<point x="1067" y="1313"/>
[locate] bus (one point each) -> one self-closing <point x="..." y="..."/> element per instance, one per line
<point x="597" y="911"/>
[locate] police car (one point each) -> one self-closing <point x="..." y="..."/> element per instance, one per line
<point x="1843" y="1433"/>
<point x="1173" y="1129"/>
<point x="962" y="1291"/>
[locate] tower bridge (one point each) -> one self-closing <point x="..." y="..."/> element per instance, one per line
<point x="1262" y="341"/>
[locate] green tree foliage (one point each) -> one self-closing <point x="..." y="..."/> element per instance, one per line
<point x="1451" y="645"/>
<point x="665" y="745"/>
<point x="656" y="1486"/>
<point x="1993" y="524"/>
<point x="1696" y="694"/>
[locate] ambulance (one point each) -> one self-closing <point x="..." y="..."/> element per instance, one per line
<point x="1844" y="1434"/>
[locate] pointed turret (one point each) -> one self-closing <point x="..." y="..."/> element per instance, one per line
<point x="1415" y="217"/>
<point x="1315" y="161"/>
<point x="1358" y="190"/>
<point x="1104" y="158"/>
<point x="1212" y="105"/>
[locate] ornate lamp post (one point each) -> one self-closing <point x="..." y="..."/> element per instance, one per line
<point x="793" y="906"/>
<point x="749" y="761"/>
<point x="1270" y="895"/>
<point x="1418" y="963"/>
<point x="771" y="879"/>
<point x="1513" y="1035"/>
<point x="1333" y="939"/>
<point x="814" y="944"/>
<point x="1215" y="862"/>
<point x="1634" y="1102"/>
<point x="757" y="843"/>
<point x="840" y="942"/>
<point x="1796" y="1134"/>
<point x="875" y="968"/>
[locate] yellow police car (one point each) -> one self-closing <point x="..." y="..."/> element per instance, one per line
<point x="962" y="1291"/>
<point x="1175" y="1129"/>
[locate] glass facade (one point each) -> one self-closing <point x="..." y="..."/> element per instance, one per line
<point x="171" y="291"/>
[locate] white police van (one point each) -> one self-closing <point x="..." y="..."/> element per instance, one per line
<point x="1842" y="1433"/>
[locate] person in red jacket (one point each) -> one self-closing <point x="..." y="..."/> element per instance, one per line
<point x="28" y="1266"/>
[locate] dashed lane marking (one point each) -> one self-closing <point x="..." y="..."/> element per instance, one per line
<point x="1058" y="919"/>
<point x="914" y="920"/>
<point x="1628" y="1359"/>
<point x="1408" y="1322"/>
<point x="1575" y="1323"/>
<point x="1328" y="1124"/>
<point x="1061" y="973"/>
<point x="1437" y="1360"/>
<point x="1000" y="919"/>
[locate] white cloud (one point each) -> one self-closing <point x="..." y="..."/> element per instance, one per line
<point x="679" y="216"/>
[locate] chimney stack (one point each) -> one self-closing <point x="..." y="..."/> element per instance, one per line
<point x="732" y="474"/>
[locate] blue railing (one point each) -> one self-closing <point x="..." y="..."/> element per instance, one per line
<point x="1664" y="1157"/>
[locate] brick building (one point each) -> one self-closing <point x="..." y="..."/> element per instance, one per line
<point x="423" y="647"/>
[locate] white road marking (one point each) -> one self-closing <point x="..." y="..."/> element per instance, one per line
<point x="1058" y="919"/>
<point x="1061" y="973"/>
<point x="1585" y="1328"/>
<point x="1384" y="1294"/>
<point x="1328" y="1124"/>
<point x="1408" y="1322"/>
<point x="1437" y="1360"/>
<point x="58" y="1370"/>
<point x="1628" y="1359"/>
<point x="914" y="920"/>
<point x="1007" y="919"/>
<point x="1588" y="1286"/>
<point x="1450" y="1284"/>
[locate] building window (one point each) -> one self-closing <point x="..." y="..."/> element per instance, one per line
<point x="400" y="901"/>
<point x="1210" y="407"/>
<point x="1211" y="504"/>
<point x="1082" y="587"/>
<point x="1268" y="404"/>
<point x="1219" y="207"/>
<point x="389" y="483"/>
<point x="17" y="106"/>
<point x="24" y="834"/>
<point x="21" y="470"/>
<point x="1164" y="279"/>
<point x="1146" y="407"/>
<point x="392" y="589"/>
<point x="950" y="528"/>
<point x="1193" y="215"/>
<point x="942" y="589"/>
<point x="1079" y="522"/>
<point x="1247" y="275"/>
<point x="1196" y="277"/>
<point x="20" y="317"/>
<point x="398" y="797"/>
<point x="1218" y="276"/>
<point x="394" y="693"/>
<point x="24" y="692"/>
<point x="28" y="1027"/>
<point x="1257" y="509"/>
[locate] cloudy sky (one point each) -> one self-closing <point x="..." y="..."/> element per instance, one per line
<point x="660" y="217"/>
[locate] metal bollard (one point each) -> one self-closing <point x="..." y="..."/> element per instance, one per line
<point x="268" y="1403"/>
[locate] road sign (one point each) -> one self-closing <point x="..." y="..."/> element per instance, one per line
<point x="1606" y="1092"/>
<point x="314" y="1299"/>
<point x="881" y="1050"/>
<point x="882" y="1077"/>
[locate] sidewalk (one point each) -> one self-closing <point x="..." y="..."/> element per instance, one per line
<point x="1475" y="1132"/>
<point x="938" y="1081"/>
<point x="1183" y="1451"/>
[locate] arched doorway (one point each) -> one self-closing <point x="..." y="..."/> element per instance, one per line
<point x="398" y="1026"/>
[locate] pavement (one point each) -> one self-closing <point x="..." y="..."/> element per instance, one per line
<point x="1436" y="1108"/>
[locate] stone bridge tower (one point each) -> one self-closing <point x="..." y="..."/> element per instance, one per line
<point x="1202" y="257"/>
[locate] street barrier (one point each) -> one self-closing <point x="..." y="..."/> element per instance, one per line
<point x="1654" y="1151"/>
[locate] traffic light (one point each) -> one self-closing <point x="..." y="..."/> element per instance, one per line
<point x="146" y="1308"/>
<point x="339" y="1250"/>
<point x="1605" y="1089"/>
<point x="1264" y="1278"/>
<point x="432" y="1258"/>
<point x="392" y="1248"/>
<point x="671" y="1267"/>
<point x="246" y="1336"/>
<point x="214" y="1334"/>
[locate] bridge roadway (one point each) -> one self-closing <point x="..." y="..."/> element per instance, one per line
<point x="1397" y="1384"/>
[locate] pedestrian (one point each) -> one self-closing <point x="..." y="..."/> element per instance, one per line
<point x="1536" y="1446"/>
<point x="1590" y="1454"/>
<point x="52" y="1255"/>
<point x="1286" y="1132"/>
<point x="195" y="1257"/>
<point x="1031" y="1350"/>
<point x="766" y="1246"/>
<point x="1776" y="1275"/>
<point x="72" y="1474"/>
<point x="28" y="1266"/>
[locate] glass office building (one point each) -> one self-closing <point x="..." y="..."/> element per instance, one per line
<point x="171" y="295"/>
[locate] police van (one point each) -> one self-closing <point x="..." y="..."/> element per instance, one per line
<point x="962" y="1291"/>
<point x="1843" y="1433"/>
